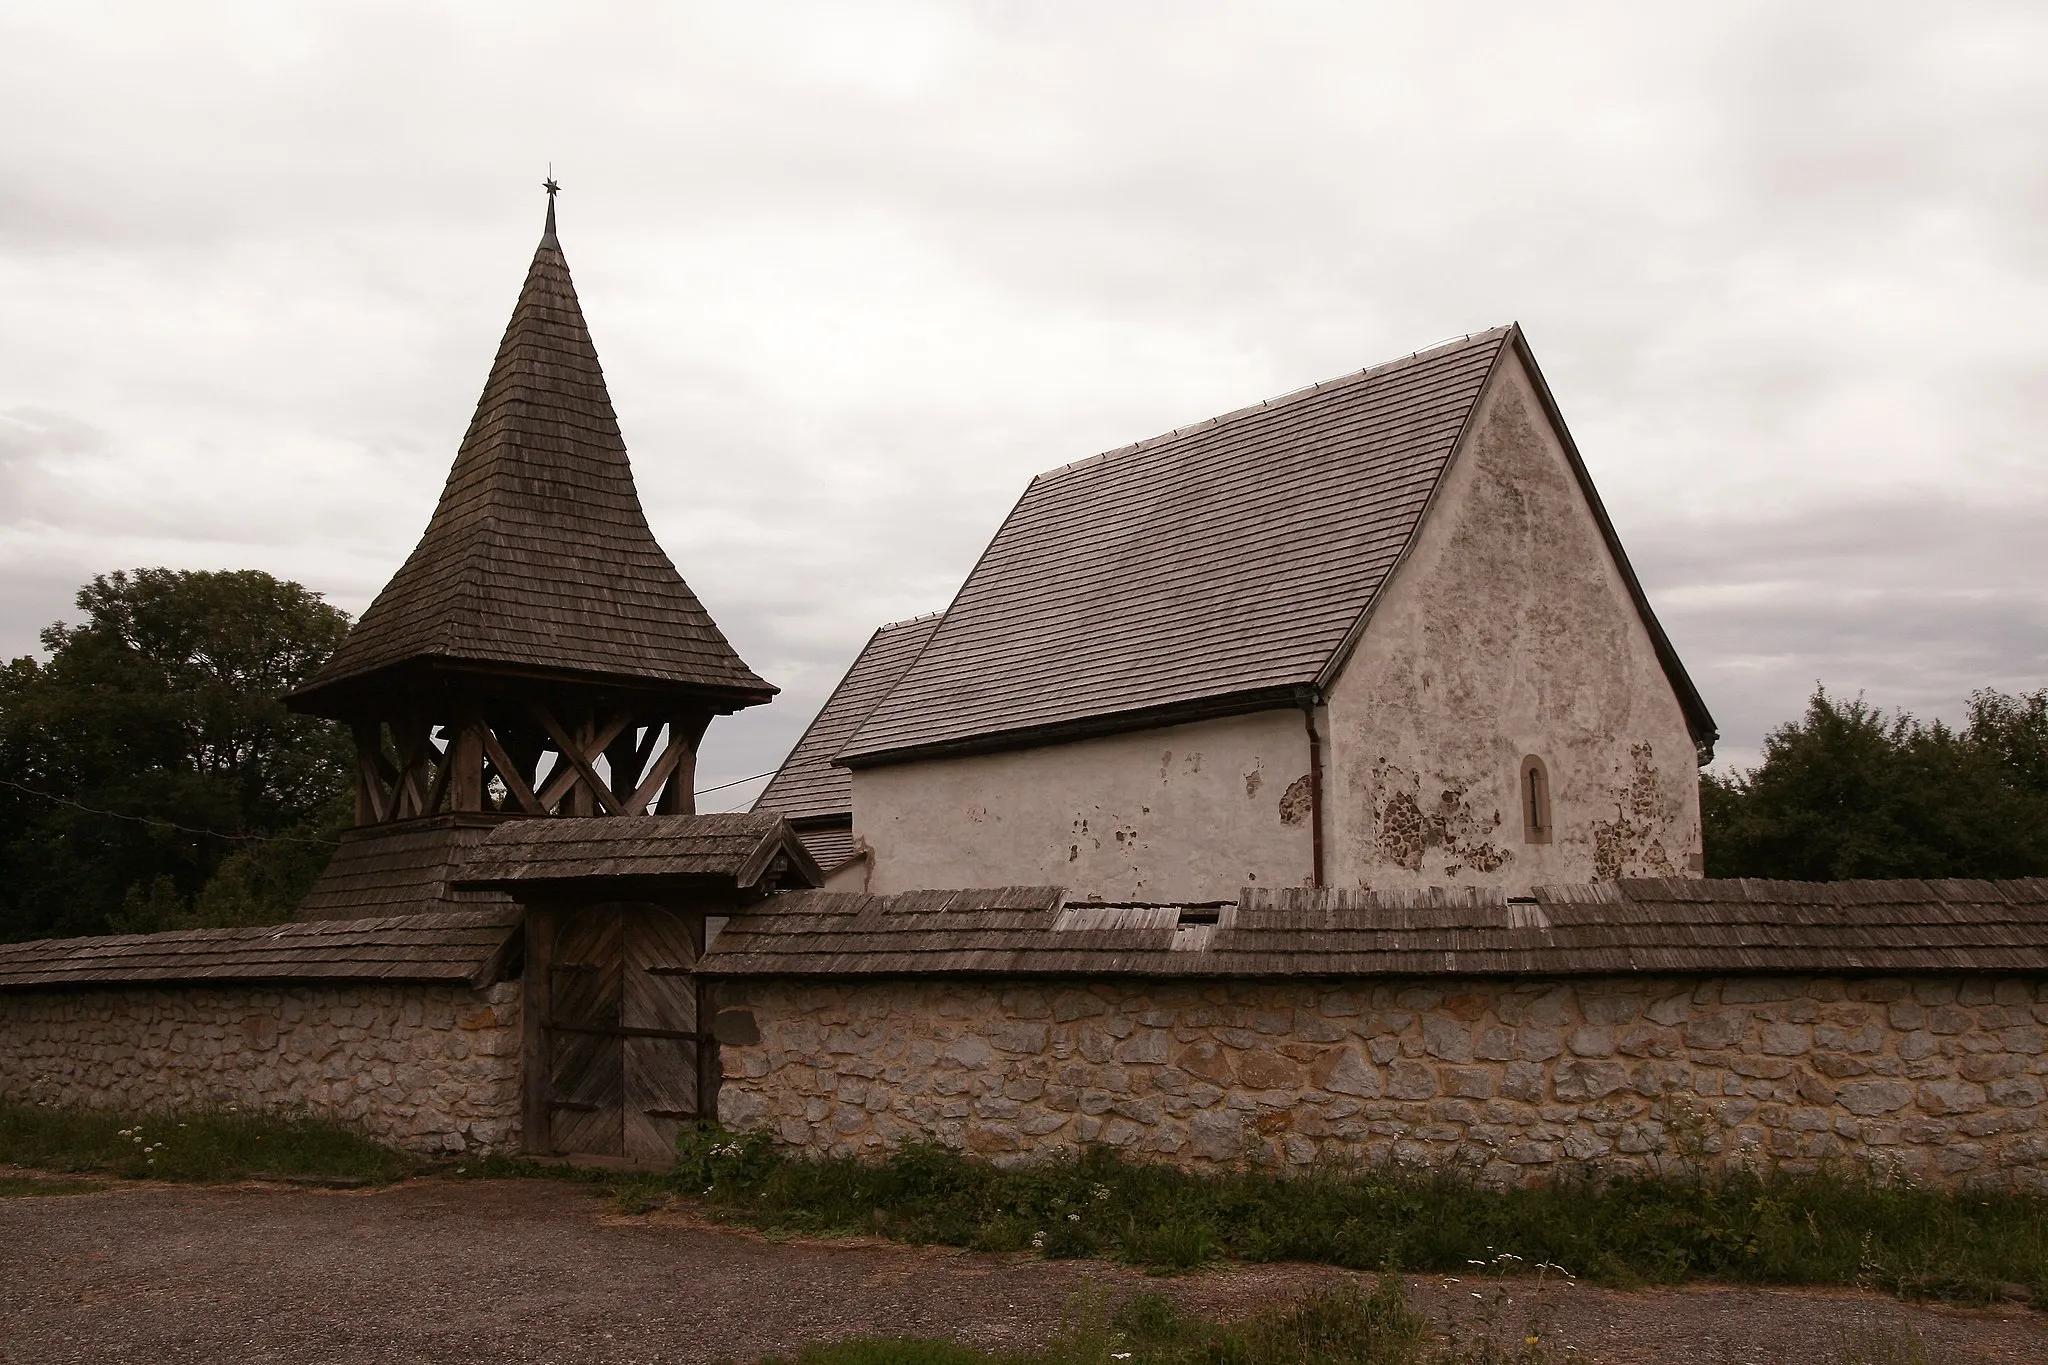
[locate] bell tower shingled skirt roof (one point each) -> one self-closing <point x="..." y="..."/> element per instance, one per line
<point x="538" y="556"/>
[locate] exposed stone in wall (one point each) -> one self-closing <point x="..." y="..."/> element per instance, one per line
<point x="1940" y="1079"/>
<point x="432" y="1068"/>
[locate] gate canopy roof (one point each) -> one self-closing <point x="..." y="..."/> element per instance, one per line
<point x="748" y="850"/>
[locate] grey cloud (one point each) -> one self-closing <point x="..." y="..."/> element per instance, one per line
<point x="30" y="439"/>
<point x="1914" y="604"/>
<point x="857" y="273"/>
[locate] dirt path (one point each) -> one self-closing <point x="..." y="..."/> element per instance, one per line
<point x="536" y="1271"/>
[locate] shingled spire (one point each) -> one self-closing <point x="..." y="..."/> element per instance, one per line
<point x="538" y="653"/>
<point x="539" y="556"/>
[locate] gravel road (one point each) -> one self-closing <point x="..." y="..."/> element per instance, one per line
<point x="538" y="1271"/>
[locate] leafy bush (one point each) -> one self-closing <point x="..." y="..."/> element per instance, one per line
<point x="1849" y="791"/>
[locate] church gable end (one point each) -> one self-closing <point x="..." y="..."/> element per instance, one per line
<point x="1510" y="714"/>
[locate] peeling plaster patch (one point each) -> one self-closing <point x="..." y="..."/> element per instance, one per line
<point x="1401" y="834"/>
<point x="1628" y="846"/>
<point x="1407" y="831"/>
<point x="1253" y="780"/>
<point x="1296" y="801"/>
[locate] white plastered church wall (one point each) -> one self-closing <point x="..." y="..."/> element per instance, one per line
<point x="1507" y="631"/>
<point x="1179" y="813"/>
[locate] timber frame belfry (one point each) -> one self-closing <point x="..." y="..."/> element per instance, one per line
<point x="532" y="755"/>
<point x="538" y="654"/>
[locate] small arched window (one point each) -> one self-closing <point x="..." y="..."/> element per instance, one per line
<point x="1535" y="785"/>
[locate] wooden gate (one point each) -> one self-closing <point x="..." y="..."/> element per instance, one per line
<point x="621" y="1062"/>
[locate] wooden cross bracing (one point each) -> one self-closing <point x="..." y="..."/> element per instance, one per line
<point x="540" y="760"/>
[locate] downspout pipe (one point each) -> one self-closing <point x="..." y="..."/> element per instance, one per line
<point x="1315" y="789"/>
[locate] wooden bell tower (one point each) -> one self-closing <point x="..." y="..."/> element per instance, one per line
<point x="538" y="654"/>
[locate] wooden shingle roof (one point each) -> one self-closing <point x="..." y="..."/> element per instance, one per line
<point x="1664" y="925"/>
<point x="538" y="556"/>
<point x="831" y="846"/>
<point x="741" y="847"/>
<point x="808" y="785"/>
<point x="400" y="869"/>
<point x="474" y="947"/>
<point x="1220" y="568"/>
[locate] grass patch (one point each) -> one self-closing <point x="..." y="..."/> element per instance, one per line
<point x="1624" y="1230"/>
<point x="1347" y="1327"/>
<point x="195" y="1145"/>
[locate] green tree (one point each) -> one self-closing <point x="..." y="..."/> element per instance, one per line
<point x="1849" y="791"/>
<point x="149" y="776"/>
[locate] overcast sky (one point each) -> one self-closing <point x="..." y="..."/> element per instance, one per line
<point x="856" y="271"/>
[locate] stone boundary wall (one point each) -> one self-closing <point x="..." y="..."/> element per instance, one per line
<point x="1938" y="1078"/>
<point x="427" y="1067"/>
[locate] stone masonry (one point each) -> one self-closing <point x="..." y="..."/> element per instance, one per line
<point x="1937" y="1078"/>
<point x="428" y="1067"/>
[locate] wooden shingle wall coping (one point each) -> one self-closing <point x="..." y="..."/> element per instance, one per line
<point x="470" y="947"/>
<point x="1666" y="925"/>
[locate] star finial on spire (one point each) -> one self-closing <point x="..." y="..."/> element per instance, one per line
<point x="547" y="238"/>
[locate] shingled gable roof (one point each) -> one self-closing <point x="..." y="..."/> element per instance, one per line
<point x="1221" y="568"/>
<point x="808" y="786"/>
<point x="539" y="557"/>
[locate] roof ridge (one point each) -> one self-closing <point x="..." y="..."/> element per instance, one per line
<point x="1280" y="400"/>
<point x="911" y="620"/>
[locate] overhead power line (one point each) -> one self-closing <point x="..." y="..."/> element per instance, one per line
<point x="160" y="823"/>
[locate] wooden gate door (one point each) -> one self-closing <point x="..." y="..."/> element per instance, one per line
<point x="624" y="1056"/>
